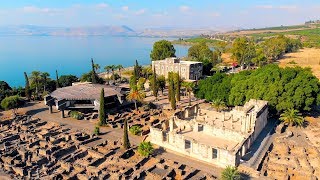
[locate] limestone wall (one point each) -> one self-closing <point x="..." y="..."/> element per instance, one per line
<point x="203" y="152"/>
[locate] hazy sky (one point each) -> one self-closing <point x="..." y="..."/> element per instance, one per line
<point x="159" y="13"/>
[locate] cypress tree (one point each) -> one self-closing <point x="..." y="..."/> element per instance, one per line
<point x="126" y="142"/>
<point x="177" y="86"/>
<point x="27" y="87"/>
<point x="102" y="113"/>
<point x="172" y="95"/>
<point x="93" y="74"/>
<point x="57" y="79"/>
<point x="154" y="85"/>
<point x="169" y="89"/>
<point x="137" y="70"/>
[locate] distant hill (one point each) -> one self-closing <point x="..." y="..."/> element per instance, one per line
<point x="62" y="31"/>
<point x="33" y="30"/>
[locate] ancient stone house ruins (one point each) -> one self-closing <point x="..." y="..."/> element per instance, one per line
<point x="219" y="138"/>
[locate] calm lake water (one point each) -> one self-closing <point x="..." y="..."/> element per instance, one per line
<point x="70" y="55"/>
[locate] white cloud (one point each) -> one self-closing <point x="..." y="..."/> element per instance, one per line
<point x="102" y="5"/>
<point x="34" y="9"/>
<point x="265" y="7"/>
<point x="140" y="12"/>
<point x="125" y="8"/>
<point x="288" y="7"/>
<point x="184" y="8"/>
<point x="284" y="7"/>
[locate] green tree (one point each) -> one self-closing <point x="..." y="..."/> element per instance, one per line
<point x="243" y="50"/>
<point x="27" y="87"/>
<point x="140" y="84"/>
<point x="45" y="78"/>
<point x="216" y="57"/>
<point x="102" y="111"/>
<point x="35" y="79"/>
<point x="230" y="173"/>
<point x="93" y="74"/>
<point x="189" y="86"/>
<point x="87" y="77"/>
<point x="162" y="83"/>
<point x="145" y="149"/>
<point x="260" y="58"/>
<point x="177" y="86"/>
<point x="161" y="50"/>
<point x="292" y="117"/>
<point x="67" y="80"/>
<point x="12" y="103"/>
<point x="137" y="70"/>
<point x="215" y="87"/>
<point x="201" y="52"/>
<point x="126" y="142"/>
<point x="113" y="68"/>
<point x="154" y="85"/>
<point x="97" y="67"/>
<point x="57" y="80"/>
<point x="133" y="82"/>
<point x="172" y="97"/>
<point x="135" y="129"/>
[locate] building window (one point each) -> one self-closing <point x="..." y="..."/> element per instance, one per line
<point x="200" y="127"/>
<point x="214" y="153"/>
<point x="187" y="144"/>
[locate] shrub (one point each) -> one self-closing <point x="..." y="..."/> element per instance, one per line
<point x="145" y="149"/>
<point x="96" y="130"/>
<point x="76" y="115"/>
<point x="230" y="173"/>
<point x="135" y="130"/>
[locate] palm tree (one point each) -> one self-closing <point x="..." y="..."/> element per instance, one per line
<point x="108" y="68"/>
<point x="113" y="67"/>
<point x="119" y="67"/>
<point x="97" y="67"/>
<point x="145" y="148"/>
<point x="189" y="86"/>
<point x="230" y="173"/>
<point x="136" y="96"/>
<point x="44" y="78"/>
<point x="292" y="117"/>
<point x="219" y="104"/>
<point x="35" y="78"/>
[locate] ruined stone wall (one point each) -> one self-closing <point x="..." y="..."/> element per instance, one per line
<point x="203" y="152"/>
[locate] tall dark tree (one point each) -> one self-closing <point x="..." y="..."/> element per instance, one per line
<point x="172" y="94"/>
<point x="102" y="112"/>
<point x="57" y="80"/>
<point x="177" y="86"/>
<point x="27" y="86"/>
<point x="126" y="142"/>
<point x="137" y="70"/>
<point x="94" y="80"/>
<point x="154" y="84"/>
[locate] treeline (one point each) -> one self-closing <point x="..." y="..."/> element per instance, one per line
<point x="247" y="51"/>
<point x="284" y="88"/>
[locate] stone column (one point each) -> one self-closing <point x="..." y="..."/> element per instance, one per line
<point x="50" y="109"/>
<point x="62" y="113"/>
<point x="171" y="121"/>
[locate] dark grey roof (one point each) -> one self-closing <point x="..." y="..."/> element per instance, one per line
<point x="85" y="92"/>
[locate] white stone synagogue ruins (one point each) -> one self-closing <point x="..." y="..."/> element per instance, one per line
<point x="219" y="138"/>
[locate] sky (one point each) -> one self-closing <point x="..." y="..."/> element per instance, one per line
<point x="140" y="14"/>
